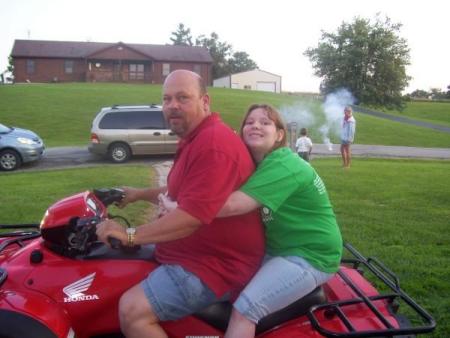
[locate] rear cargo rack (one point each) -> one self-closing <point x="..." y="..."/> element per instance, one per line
<point x="390" y="280"/>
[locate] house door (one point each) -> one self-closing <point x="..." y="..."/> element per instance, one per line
<point x="117" y="71"/>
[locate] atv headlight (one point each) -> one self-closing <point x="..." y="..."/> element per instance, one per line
<point x="44" y="219"/>
<point x="25" y="140"/>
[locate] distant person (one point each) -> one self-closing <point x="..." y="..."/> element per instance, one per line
<point x="304" y="145"/>
<point x="347" y="136"/>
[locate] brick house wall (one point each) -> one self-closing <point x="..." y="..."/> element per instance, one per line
<point x="53" y="70"/>
<point x="49" y="70"/>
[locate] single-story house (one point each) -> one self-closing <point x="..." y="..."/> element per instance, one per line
<point x="255" y="79"/>
<point x="68" y="61"/>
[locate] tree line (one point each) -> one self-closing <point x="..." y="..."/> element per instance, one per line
<point x="225" y="60"/>
<point x="368" y="57"/>
<point x="432" y="94"/>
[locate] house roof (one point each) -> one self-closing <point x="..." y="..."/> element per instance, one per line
<point x="73" y="49"/>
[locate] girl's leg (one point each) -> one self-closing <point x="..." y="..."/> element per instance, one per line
<point x="349" y="155"/>
<point x="239" y="326"/>
<point x="279" y="282"/>
<point x="343" y="155"/>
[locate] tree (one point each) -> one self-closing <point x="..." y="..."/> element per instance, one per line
<point x="10" y="67"/>
<point x="182" y="36"/>
<point x="420" y="94"/>
<point x="369" y="59"/>
<point x="241" y="62"/>
<point x="220" y="52"/>
<point x="225" y="61"/>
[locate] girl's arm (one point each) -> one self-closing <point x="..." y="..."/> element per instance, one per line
<point x="238" y="203"/>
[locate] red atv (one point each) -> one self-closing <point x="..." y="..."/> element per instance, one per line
<point x="61" y="282"/>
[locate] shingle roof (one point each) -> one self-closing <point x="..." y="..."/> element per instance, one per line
<point x="73" y="49"/>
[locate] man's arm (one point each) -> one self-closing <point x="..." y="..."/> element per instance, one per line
<point x="174" y="225"/>
<point x="141" y="194"/>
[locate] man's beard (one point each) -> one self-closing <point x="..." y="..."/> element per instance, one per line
<point x="178" y="126"/>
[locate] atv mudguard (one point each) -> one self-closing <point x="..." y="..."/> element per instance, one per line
<point x="32" y="315"/>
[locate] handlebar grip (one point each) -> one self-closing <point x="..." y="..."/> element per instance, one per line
<point x="114" y="242"/>
<point x="109" y="196"/>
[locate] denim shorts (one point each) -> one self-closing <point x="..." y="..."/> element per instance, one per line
<point x="279" y="282"/>
<point x="345" y="142"/>
<point x="174" y="292"/>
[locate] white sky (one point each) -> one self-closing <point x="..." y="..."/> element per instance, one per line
<point x="274" y="33"/>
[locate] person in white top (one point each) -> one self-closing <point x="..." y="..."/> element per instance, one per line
<point x="304" y="145"/>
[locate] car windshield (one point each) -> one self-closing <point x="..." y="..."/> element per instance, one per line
<point x="4" y="129"/>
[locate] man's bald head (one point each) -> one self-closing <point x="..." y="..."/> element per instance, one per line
<point x="189" y="76"/>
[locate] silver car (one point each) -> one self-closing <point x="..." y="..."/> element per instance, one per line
<point x="120" y="132"/>
<point x="18" y="146"/>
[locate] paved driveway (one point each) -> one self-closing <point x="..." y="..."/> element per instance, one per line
<point x="69" y="157"/>
<point x="65" y="157"/>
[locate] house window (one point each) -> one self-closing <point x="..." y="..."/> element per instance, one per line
<point x="68" y="66"/>
<point x="31" y="66"/>
<point x="166" y="69"/>
<point x="197" y="69"/>
<point x="136" y="71"/>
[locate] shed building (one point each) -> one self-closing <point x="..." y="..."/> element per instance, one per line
<point x="255" y="79"/>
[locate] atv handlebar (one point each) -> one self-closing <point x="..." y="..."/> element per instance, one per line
<point x="109" y="196"/>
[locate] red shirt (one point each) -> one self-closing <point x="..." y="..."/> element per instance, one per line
<point x="211" y="163"/>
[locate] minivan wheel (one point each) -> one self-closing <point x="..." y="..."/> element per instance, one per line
<point x="119" y="152"/>
<point x="10" y="160"/>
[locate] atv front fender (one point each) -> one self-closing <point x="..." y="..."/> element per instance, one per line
<point x="32" y="315"/>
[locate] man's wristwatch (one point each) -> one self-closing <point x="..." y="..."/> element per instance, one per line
<point x="131" y="233"/>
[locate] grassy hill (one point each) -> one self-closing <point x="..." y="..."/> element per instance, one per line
<point x="62" y="113"/>
<point x="432" y="112"/>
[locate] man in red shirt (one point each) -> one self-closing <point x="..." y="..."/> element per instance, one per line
<point x="203" y="258"/>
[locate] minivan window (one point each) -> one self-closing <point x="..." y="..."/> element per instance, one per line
<point x="133" y="120"/>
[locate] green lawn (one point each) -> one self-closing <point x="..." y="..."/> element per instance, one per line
<point x="30" y="193"/>
<point x="395" y="210"/>
<point x="373" y="130"/>
<point x="62" y="113"/>
<point x="432" y="112"/>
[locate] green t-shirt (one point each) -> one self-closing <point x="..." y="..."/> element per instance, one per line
<point x="296" y="210"/>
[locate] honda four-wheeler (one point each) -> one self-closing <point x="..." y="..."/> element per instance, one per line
<point x="58" y="280"/>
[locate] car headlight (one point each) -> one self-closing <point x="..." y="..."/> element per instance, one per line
<point x="25" y="140"/>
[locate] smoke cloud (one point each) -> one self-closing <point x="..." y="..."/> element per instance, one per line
<point x="326" y="122"/>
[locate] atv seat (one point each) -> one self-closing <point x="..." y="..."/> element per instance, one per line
<point x="218" y="314"/>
